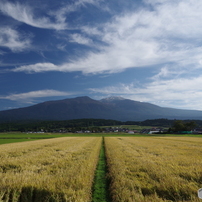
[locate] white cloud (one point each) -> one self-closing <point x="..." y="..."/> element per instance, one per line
<point x="78" y="38"/>
<point x="36" y="68"/>
<point x="12" y="39"/>
<point x="25" y="14"/>
<point x="61" y="47"/>
<point x="81" y="65"/>
<point x="24" y="97"/>
<point x="171" y="32"/>
<point x="184" y="93"/>
<point x="78" y="4"/>
<point x="55" y="19"/>
<point x="168" y="71"/>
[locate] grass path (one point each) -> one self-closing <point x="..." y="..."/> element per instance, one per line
<point x="100" y="188"/>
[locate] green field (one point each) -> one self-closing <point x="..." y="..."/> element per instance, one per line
<point x="7" y="141"/>
<point x="21" y="137"/>
<point x="30" y="135"/>
<point x="6" y="138"/>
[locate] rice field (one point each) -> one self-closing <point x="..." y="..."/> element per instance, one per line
<point x="59" y="169"/>
<point x="138" y="169"/>
<point x="154" y="169"/>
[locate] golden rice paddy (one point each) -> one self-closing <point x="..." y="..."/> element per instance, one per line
<point x="60" y="169"/>
<point x="154" y="169"/>
<point x="140" y="169"/>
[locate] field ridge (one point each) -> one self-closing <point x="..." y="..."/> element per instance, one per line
<point x="101" y="182"/>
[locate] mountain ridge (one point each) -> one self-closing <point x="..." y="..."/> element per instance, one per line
<point x="116" y="108"/>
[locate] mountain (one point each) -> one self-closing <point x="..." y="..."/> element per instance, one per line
<point x="116" y="108"/>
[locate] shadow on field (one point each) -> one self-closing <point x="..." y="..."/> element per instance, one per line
<point x="31" y="194"/>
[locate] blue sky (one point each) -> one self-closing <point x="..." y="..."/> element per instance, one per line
<point x="144" y="50"/>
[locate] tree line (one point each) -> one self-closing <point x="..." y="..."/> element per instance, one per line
<point x="180" y="126"/>
<point x="95" y="125"/>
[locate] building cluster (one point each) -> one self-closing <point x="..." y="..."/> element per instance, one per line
<point x="152" y="130"/>
<point x="126" y="130"/>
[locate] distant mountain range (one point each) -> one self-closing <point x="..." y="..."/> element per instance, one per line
<point x="116" y="108"/>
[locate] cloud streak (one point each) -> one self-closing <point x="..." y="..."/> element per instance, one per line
<point x="52" y="20"/>
<point x="25" y="14"/>
<point x="24" y="97"/>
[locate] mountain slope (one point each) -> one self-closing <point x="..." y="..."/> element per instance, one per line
<point x="141" y="110"/>
<point x="116" y="108"/>
<point x="75" y="108"/>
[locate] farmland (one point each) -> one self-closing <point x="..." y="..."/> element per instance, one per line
<point x="140" y="169"/>
<point x="59" y="169"/>
<point x="154" y="169"/>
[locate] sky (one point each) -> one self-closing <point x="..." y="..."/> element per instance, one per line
<point x="143" y="50"/>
